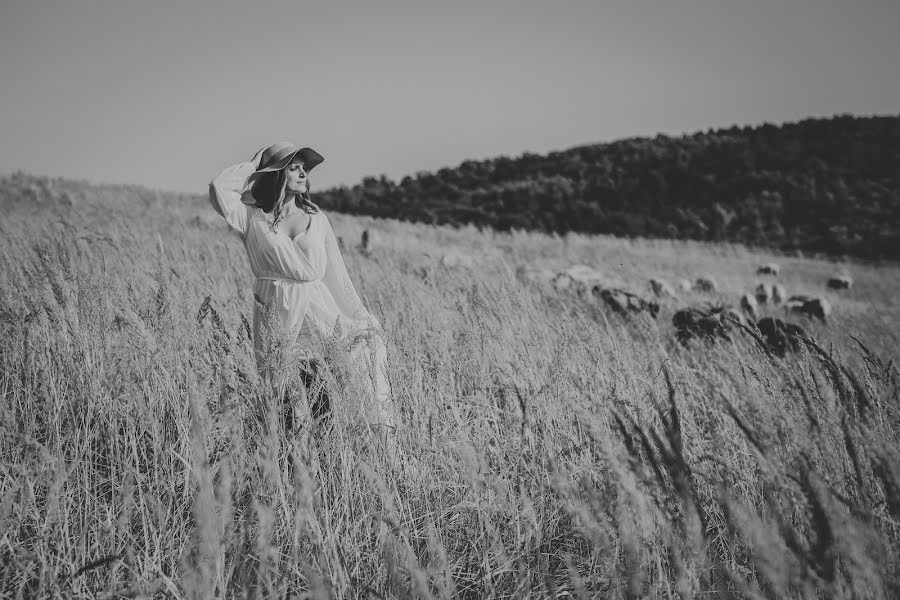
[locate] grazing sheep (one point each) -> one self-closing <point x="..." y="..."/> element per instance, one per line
<point x="661" y="288"/>
<point x="749" y="305"/>
<point x="780" y="336"/>
<point x="769" y="269"/>
<point x="578" y="278"/>
<point x="779" y="294"/>
<point x="562" y="282"/>
<point x="585" y="273"/>
<point x="840" y="282"/>
<point x="706" y="285"/>
<point x="809" y="306"/>
<point x="763" y="293"/>
<point x="685" y="285"/>
<point x="708" y="325"/>
<point x="623" y="302"/>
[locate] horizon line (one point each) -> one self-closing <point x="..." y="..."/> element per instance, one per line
<point x="683" y="134"/>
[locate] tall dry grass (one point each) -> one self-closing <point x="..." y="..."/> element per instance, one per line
<point x="547" y="448"/>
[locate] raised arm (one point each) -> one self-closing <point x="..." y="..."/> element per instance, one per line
<point x="225" y="193"/>
<point x="338" y="281"/>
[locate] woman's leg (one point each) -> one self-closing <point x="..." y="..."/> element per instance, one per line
<point x="313" y="376"/>
<point x="282" y="354"/>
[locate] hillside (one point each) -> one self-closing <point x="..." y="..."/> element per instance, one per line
<point x="548" y="446"/>
<point x="819" y="186"/>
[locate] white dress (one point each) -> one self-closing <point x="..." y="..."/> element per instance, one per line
<point x="304" y="282"/>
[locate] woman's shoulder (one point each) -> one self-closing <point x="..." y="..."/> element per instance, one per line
<point x="322" y="215"/>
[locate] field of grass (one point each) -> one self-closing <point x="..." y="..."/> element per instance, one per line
<point x="548" y="447"/>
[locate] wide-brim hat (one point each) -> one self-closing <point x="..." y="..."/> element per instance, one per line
<point x="275" y="158"/>
<point x="278" y="156"/>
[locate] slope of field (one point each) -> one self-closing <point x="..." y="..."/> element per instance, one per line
<point x="827" y="186"/>
<point x="548" y="447"/>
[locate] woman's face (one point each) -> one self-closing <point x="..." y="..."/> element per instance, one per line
<point x="296" y="181"/>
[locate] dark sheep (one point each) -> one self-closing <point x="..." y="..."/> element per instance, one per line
<point x="780" y="336"/>
<point x="818" y="308"/>
<point x="706" y="285"/>
<point x="709" y="325"/>
<point x="840" y="282"/>
<point x="624" y="303"/>
<point x="769" y="269"/>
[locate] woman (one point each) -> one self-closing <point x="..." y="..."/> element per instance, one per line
<point x="302" y="287"/>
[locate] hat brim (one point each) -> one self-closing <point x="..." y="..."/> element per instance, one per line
<point x="308" y="156"/>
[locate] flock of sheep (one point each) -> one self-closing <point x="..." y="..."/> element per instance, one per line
<point x="711" y="323"/>
<point x="714" y="322"/>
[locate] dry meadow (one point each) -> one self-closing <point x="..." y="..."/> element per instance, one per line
<point x="548" y="447"/>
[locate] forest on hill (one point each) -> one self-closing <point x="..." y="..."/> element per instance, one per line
<point x="829" y="186"/>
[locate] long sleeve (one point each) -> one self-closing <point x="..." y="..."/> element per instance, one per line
<point x="225" y="195"/>
<point x="368" y="349"/>
<point x="338" y="282"/>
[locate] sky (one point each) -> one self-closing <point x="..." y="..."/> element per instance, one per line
<point x="170" y="92"/>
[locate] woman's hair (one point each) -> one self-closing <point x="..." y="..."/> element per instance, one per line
<point x="268" y="190"/>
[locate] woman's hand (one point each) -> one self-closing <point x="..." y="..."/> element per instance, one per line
<point x="362" y="331"/>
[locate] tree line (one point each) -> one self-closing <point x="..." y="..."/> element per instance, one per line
<point x="820" y="185"/>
